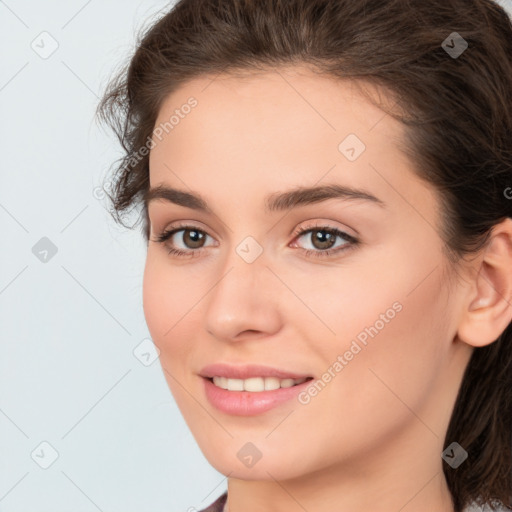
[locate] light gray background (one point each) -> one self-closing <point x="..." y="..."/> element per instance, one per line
<point x="70" y="325"/>
<point x="68" y="375"/>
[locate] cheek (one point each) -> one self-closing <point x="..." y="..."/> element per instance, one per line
<point x="156" y="299"/>
<point x="396" y="366"/>
<point x="170" y="318"/>
<point x="391" y="311"/>
<point x="388" y="298"/>
<point x="167" y="303"/>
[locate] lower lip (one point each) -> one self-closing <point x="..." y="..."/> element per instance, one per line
<point x="249" y="403"/>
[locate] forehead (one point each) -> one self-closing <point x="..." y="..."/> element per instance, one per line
<point x="273" y="118"/>
<point x="250" y="136"/>
<point x="291" y="92"/>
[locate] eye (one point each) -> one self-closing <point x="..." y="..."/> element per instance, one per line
<point x="323" y="240"/>
<point x="192" y="237"/>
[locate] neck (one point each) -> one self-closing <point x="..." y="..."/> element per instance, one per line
<point x="403" y="477"/>
<point x="284" y="496"/>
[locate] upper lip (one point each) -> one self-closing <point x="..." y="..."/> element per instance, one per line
<point x="247" y="371"/>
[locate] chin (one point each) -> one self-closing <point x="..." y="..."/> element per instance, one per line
<point x="268" y="467"/>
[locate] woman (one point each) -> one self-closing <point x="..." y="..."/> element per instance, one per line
<point x="326" y="190"/>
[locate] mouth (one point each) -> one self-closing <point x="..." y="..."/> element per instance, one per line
<point x="251" y="389"/>
<point x="255" y="384"/>
<point x="252" y="395"/>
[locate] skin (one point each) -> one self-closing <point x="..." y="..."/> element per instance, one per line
<point x="372" y="438"/>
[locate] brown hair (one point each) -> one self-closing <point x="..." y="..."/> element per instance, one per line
<point x="458" y="114"/>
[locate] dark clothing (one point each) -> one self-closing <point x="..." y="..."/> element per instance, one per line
<point x="217" y="505"/>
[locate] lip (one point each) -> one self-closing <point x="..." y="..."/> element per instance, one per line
<point x="248" y="403"/>
<point x="247" y="371"/>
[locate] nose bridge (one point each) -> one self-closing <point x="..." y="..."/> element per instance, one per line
<point x="241" y="298"/>
<point x="242" y="276"/>
<point x="244" y="264"/>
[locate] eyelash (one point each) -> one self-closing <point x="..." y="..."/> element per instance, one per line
<point x="352" y="241"/>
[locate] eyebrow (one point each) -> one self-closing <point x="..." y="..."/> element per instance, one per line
<point x="278" y="201"/>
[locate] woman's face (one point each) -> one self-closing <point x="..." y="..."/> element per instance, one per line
<point x="371" y="322"/>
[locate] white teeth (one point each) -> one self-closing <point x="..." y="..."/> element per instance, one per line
<point x="235" y="384"/>
<point x="272" y="383"/>
<point x="255" y="384"/>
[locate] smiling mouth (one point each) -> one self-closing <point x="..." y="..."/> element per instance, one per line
<point x="255" y="384"/>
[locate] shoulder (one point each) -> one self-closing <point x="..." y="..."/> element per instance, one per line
<point x="217" y="505"/>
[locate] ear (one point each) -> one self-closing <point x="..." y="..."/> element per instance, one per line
<point x="488" y="308"/>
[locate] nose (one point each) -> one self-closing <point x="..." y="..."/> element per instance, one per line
<point x="243" y="302"/>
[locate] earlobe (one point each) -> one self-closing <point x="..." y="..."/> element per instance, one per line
<point x="490" y="305"/>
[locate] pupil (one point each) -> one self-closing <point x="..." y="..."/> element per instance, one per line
<point x="195" y="238"/>
<point x="328" y="238"/>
